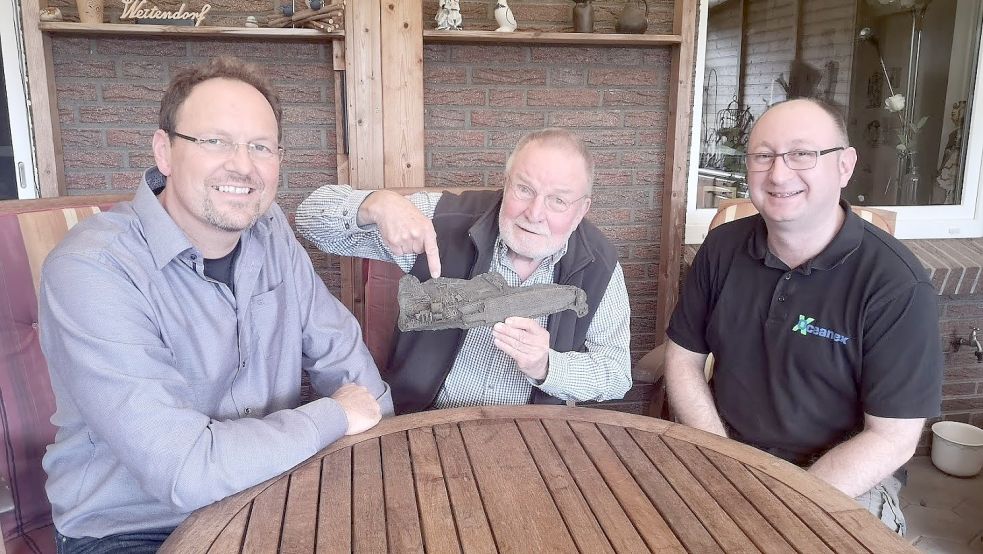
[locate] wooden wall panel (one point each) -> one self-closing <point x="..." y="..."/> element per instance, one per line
<point x="402" y="91"/>
<point x="363" y="59"/>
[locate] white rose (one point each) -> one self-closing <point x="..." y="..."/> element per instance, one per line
<point x="894" y="103"/>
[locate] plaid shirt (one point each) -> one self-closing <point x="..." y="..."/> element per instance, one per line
<point x="482" y="374"/>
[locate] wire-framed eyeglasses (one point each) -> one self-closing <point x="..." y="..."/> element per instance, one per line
<point x="553" y="203"/>
<point x="794" y="159"/>
<point x="258" y="151"/>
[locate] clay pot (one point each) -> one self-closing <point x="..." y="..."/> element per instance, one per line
<point x="634" y="19"/>
<point x="583" y="17"/>
<point x="90" y="11"/>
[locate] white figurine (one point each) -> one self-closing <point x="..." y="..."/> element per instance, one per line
<point x="504" y="17"/>
<point x="251" y="22"/>
<point x="449" y="15"/>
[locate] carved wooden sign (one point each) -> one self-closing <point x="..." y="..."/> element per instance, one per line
<point x="138" y="9"/>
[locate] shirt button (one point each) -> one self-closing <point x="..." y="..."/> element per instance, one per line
<point x="781" y="299"/>
<point x="344" y="212"/>
<point x="243" y="364"/>
<point x="347" y="226"/>
<point x="193" y="257"/>
<point x="788" y="276"/>
<point x="248" y="411"/>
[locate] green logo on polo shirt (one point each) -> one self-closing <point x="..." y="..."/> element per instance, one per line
<point x="805" y="327"/>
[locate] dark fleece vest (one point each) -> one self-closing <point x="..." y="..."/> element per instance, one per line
<point x="467" y="227"/>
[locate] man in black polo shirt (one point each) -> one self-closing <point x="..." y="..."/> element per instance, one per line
<point x="824" y="329"/>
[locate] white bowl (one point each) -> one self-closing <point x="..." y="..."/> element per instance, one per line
<point x="957" y="448"/>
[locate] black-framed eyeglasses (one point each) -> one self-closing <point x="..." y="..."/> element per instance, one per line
<point x="794" y="159"/>
<point x="258" y="151"/>
<point x="553" y="203"/>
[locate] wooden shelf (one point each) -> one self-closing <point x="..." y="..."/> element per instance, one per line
<point x="538" y="37"/>
<point x="127" y="29"/>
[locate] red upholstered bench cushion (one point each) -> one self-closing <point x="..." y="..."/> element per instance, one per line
<point x="26" y="400"/>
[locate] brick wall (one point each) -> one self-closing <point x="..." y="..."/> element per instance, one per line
<point x="108" y="93"/>
<point x="962" y="389"/>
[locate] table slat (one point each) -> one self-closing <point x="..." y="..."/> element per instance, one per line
<point x="684" y="523"/>
<point x="674" y="467"/>
<point x="334" y="516"/>
<point x="508" y="481"/>
<point x="300" y="517"/>
<point x="728" y="498"/>
<point x="436" y="517"/>
<point x="581" y="523"/>
<point x="861" y="526"/>
<point x="229" y="540"/>
<point x="469" y="515"/>
<point x="263" y="530"/>
<point x="771" y="508"/>
<point x="817" y="520"/>
<point x="648" y="521"/>
<point x="619" y="529"/>
<point x="368" y="504"/>
<point x="402" y="519"/>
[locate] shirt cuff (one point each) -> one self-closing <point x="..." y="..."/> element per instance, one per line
<point x="557" y="367"/>
<point x="329" y="419"/>
<point x="348" y="210"/>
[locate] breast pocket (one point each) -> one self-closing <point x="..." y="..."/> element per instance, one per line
<point x="269" y="322"/>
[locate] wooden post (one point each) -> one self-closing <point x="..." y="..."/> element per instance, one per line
<point x="402" y="92"/>
<point x="44" y="106"/>
<point x="363" y="59"/>
<point x="674" y="189"/>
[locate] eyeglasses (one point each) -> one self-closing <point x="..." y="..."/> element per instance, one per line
<point x="553" y="203"/>
<point x="258" y="152"/>
<point x="794" y="159"/>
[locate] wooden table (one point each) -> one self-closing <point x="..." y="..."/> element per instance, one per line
<point x="536" y="479"/>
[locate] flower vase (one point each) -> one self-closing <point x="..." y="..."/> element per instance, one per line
<point x="583" y="17"/>
<point x="90" y="11"/>
<point x="908" y="189"/>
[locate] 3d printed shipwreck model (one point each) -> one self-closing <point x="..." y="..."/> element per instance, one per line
<point x="445" y="303"/>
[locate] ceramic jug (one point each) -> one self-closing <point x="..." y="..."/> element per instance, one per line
<point x="583" y="17"/>
<point x="634" y="18"/>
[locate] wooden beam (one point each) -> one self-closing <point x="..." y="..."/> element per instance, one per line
<point x="402" y="92"/>
<point x="363" y="58"/>
<point x="674" y="189"/>
<point x="43" y="100"/>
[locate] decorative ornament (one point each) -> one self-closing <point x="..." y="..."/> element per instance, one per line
<point x="583" y="16"/>
<point x="504" y="17"/>
<point x="137" y="9"/>
<point x="328" y="18"/>
<point x="50" y="14"/>
<point x="251" y="22"/>
<point x="449" y="15"/>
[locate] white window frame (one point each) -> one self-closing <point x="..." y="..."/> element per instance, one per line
<point x="15" y="71"/>
<point x="964" y="220"/>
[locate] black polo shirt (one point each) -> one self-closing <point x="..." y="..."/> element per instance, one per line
<point x="801" y="354"/>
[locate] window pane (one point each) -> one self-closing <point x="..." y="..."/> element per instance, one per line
<point x="854" y="54"/>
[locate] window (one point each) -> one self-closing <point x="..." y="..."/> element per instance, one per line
<point x="902" y="71"/>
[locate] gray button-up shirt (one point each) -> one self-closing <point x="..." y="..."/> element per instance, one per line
<point x="172" y="390"/>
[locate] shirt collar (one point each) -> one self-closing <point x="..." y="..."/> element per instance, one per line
<point x="845" y="242"/>
<point x="165" y="239"/>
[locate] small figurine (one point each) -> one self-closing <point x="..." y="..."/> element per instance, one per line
<point x="251" y="22"/>
<point x="449" y="15"/>
<point x="504" y="17"/>
<point x="50" y="14"/>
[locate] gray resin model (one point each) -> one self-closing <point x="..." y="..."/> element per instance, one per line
<point x="445" y="303"/>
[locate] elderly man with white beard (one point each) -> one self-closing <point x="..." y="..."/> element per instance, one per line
<point x="531" y="232"/>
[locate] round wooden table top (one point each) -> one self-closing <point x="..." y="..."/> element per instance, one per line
<point x="536" y="479"/>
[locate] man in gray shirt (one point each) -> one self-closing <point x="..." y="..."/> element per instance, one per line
<point x="176" y="328"/>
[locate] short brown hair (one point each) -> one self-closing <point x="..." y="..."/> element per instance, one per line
<point x="556" y="137"/>
<point x="834" y="113"/>
<point x="224" y="67"/>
